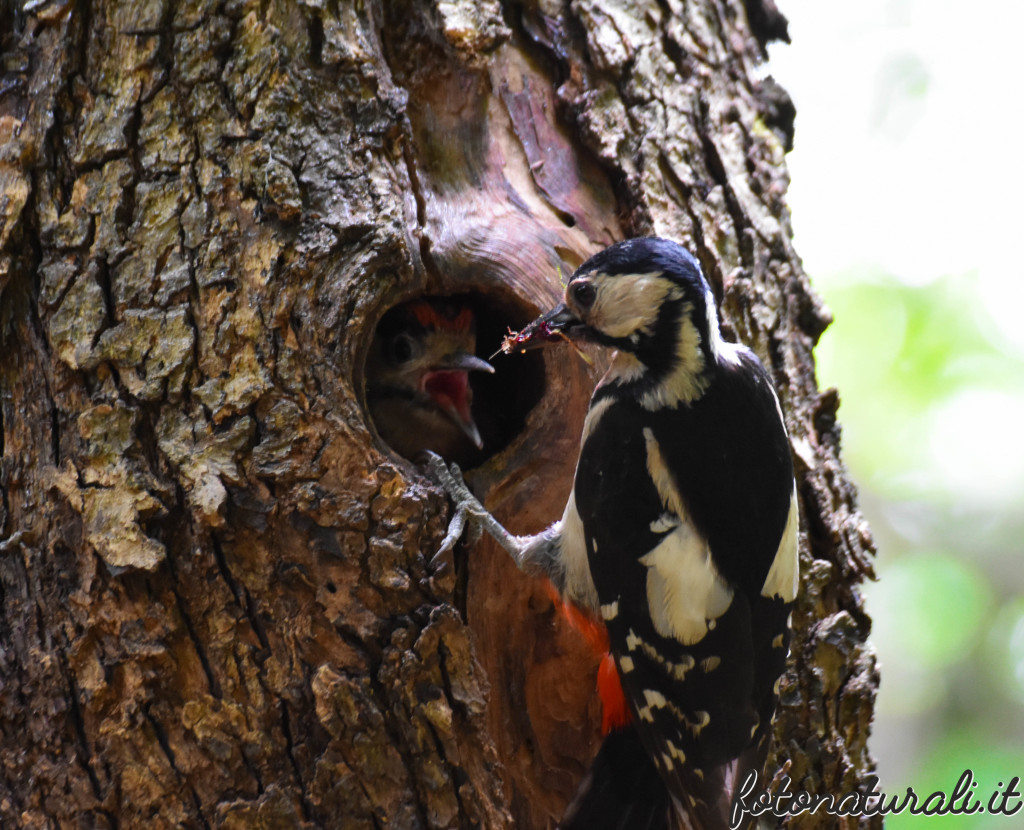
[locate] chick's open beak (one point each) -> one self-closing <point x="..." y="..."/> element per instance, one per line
<point x="448" y="386"/>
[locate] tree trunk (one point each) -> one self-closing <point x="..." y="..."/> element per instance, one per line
<point x="220" y="605"/>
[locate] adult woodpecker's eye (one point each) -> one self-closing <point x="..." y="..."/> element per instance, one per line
<point x="583" y="293"/>
<point x="403" y="348"/>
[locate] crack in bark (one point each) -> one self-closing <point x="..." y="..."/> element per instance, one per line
<point x="258" y="628"/>
<point x="223" y="54"/>
<point x="456" y="706"/>
<point x="41" y="346"/>
<point x="417" y="190"/>
<point x="161" y="736"/>
<point x="289" y="745"/>
<point x="225" y="572"/>
<point x="716" y="168"/>
<point x="204" y="660"/>
<point x="394" y="732"/>
<point x="197" y="644"/>
<point x="78" y="722"/>
<point x="102" y="279"/>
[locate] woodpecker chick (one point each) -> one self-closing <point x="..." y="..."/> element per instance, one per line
<point x="680" y="534"/>
<point x="417" y="379"/>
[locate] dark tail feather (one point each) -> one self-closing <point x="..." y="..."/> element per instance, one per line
<point x="716" y="792"/>
<point x="622" y="791"/>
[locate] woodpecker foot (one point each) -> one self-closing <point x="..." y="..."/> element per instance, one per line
<point x="468" y="509"/>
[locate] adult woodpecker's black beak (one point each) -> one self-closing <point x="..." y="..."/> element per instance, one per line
<point x="561" y="320"/>
<point x="447" y="384"/>
<point x="556" y="324"/>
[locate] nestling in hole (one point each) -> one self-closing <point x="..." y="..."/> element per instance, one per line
<point x="427" y="388"/>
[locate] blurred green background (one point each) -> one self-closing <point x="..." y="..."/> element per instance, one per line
<point x="907" y="207"/>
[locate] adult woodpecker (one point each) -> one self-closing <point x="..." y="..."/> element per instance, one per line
<point x="417" y="379"/>
<point x="680" y="535"/>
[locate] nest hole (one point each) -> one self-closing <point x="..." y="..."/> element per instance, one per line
<point x="409" y="392"/>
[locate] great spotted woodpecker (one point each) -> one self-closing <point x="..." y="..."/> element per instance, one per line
<point x="680" y="535"/>
<point x="417" y="379"/>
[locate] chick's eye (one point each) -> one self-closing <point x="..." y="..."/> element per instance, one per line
<point x="583" y="293"/>
<point x="403" y="348"/>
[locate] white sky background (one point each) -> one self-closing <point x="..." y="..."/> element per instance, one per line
<point x="908" y="139"/>
<point x="909" y="160"/>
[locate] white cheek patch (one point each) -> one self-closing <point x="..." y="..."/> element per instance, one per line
<point x="714" y="335"/>
<point x="628" y="303"/>
<point x="783" y="579"/>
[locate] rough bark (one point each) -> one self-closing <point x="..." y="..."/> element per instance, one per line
<point x="218" y="605"/>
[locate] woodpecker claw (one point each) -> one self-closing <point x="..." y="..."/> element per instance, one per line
<point x="455" y="529"/>
<point x="467" y="506"/>
<point x="470" y="516"/>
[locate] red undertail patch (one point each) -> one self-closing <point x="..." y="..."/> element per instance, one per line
<point x="614" y="707"/>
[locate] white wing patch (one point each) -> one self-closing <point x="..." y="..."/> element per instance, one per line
<point x="685" y="592"/>
<point x="784" y="576"/>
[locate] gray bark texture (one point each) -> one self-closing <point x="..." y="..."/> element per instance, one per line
<point x="218" y="605"/>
